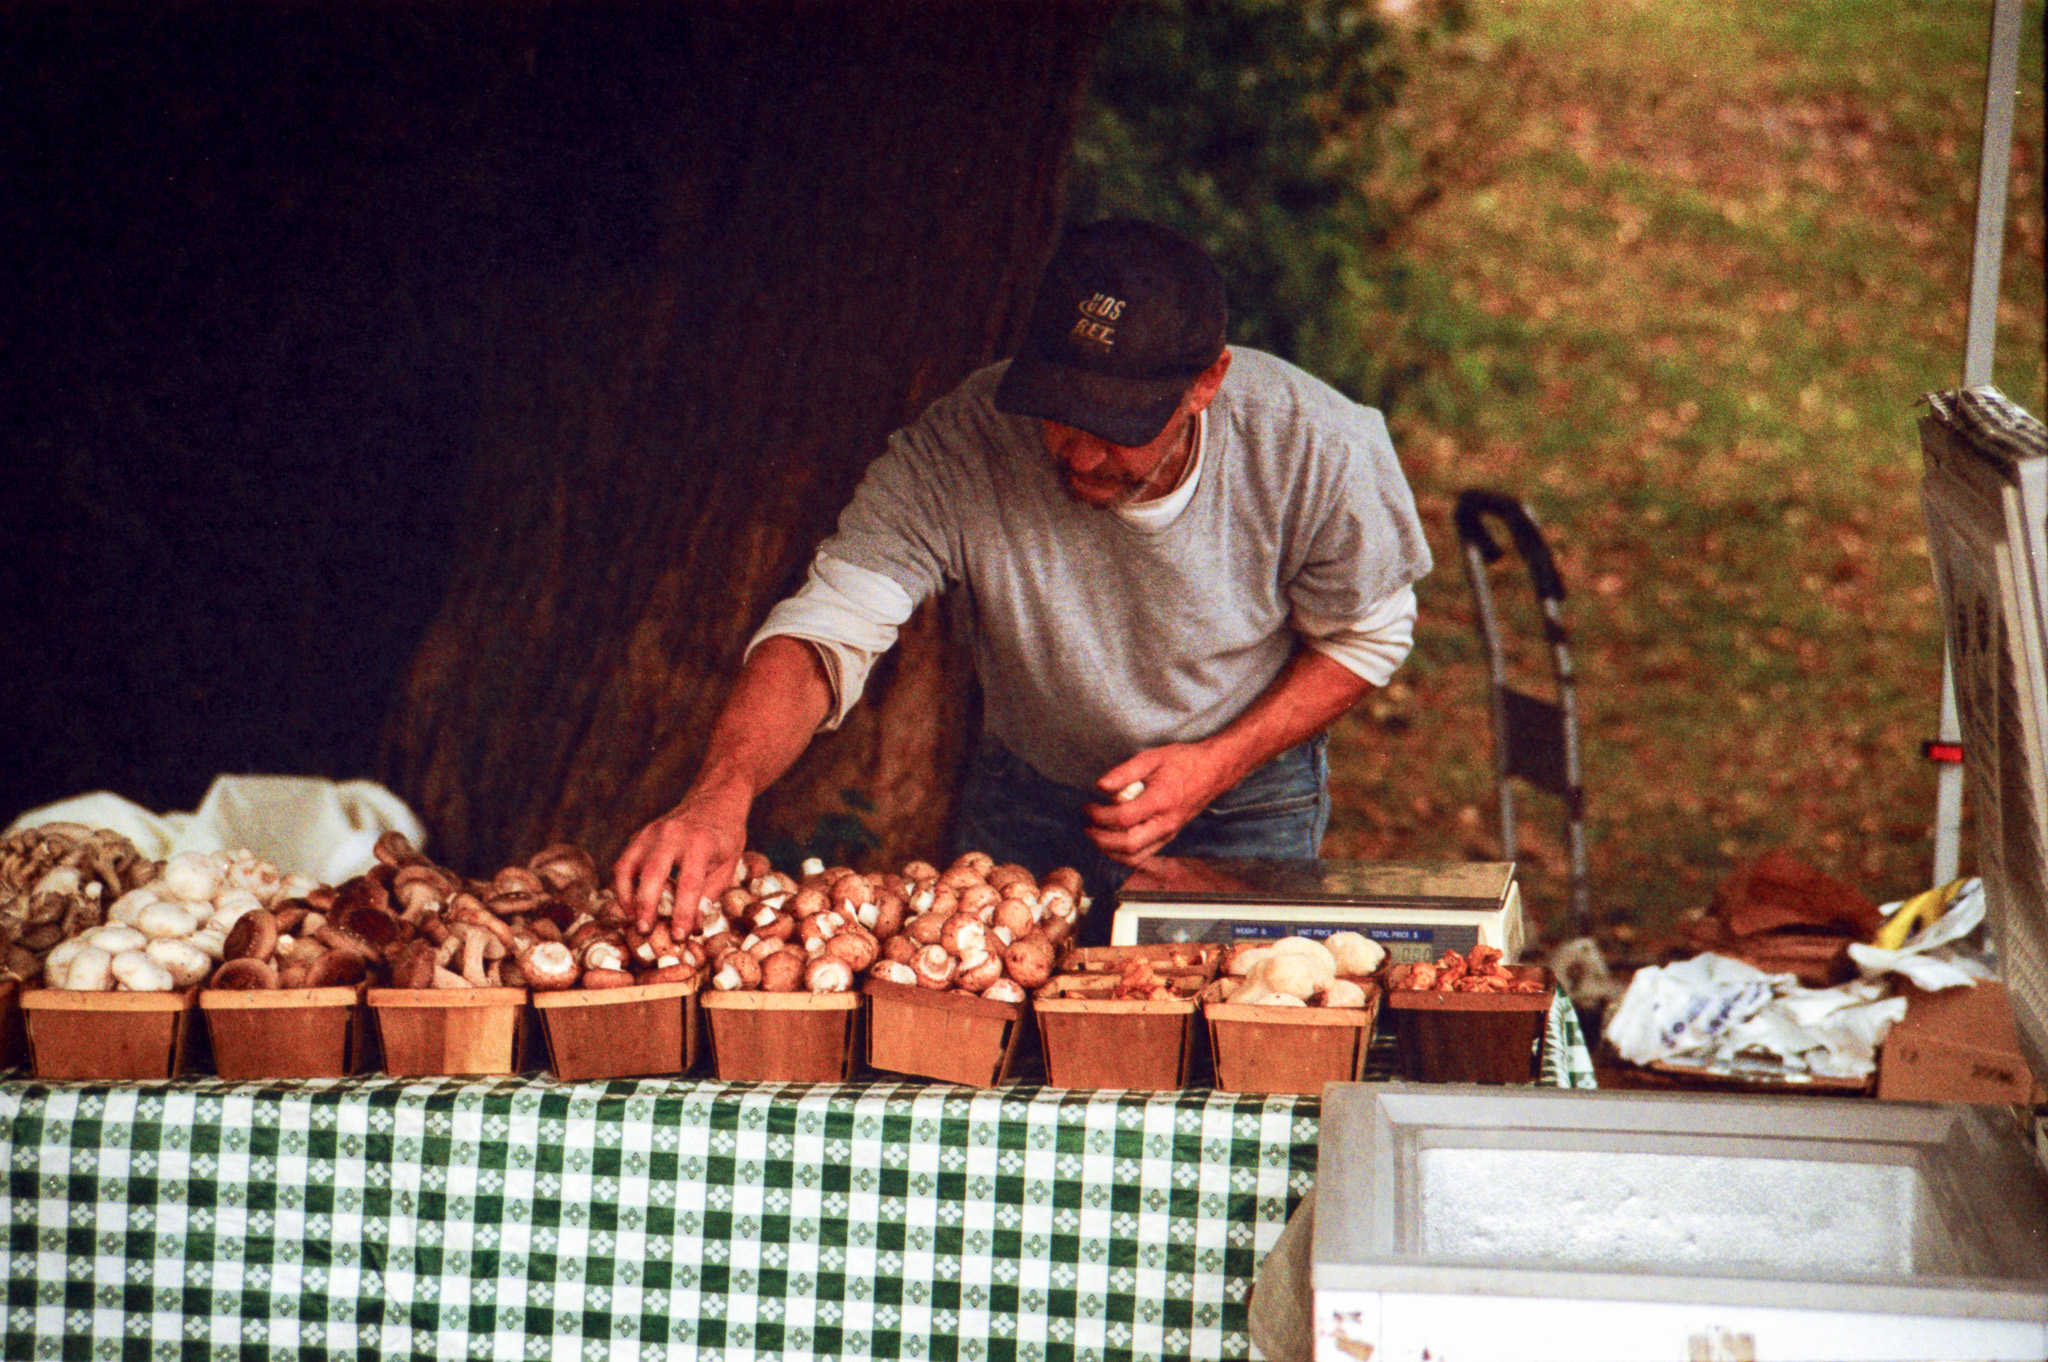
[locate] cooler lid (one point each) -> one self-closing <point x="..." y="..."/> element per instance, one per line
<point x="1268" y="881"/>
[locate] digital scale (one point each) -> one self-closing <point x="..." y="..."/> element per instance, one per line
<point x="1416" y="909"/>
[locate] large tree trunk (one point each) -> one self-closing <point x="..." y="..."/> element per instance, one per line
<point x="851" y="205"/>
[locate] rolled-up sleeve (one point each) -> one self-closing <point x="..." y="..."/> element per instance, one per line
<point x="1370" y="646"/>
<point x="852" y="617"/>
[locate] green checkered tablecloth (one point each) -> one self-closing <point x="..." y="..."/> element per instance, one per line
<point x="528" y="1218"/>
<point x="525" y="1218"/>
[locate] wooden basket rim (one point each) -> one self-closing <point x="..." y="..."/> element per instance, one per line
<point x="279" y="999"/>
<point x="451" y="998"/>
<point x="1353" y="1017"/>
<point x="754" y="1000"/>
<point x="946" y="999"/>
<point x="548" y="998"/>
<point x="70" y="1000"/>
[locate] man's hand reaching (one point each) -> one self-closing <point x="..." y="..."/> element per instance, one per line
<point x="690" y="851"/>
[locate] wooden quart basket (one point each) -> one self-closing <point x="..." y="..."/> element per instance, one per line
<point x="449" y="1031"/>
<point x="1472" y="1037"/>
<point x="288" y="1032"/>
<point x="783" y="1037"/>
<point x="1094" y="1041"/>
<point x="634" y="1032"/>
<point x="111" y="1036"/>
<point x="943" y="1033"/>
<point x="1289" y="1049"/>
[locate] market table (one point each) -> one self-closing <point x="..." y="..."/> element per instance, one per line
<point x="524" y="1217"/>
<point x="529" y="1218"/>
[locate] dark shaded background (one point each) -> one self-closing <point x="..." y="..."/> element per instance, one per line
<point x="253" y="260"/>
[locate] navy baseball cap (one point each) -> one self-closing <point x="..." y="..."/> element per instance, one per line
<point x="1127" y="314"/>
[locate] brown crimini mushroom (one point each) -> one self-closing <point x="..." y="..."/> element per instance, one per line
<point x="926" y="928"/>
<point x="1063" y="877"/>
<point x="889" y="911"/>
<point x="962" y="933"/>
<point x="753" y="865"/>
<point x="294" y="976"/>
<point x="934" y="967"/>
<point x="1029" y="959"/>
<point x="412" y="965"/>
<point x="736" y="970"/>
<point x="243" y="975"/>
<point x="856" y="946"/>
<point x="894" y="972"/>
<point x="979" y="899"/>
<point x="253" y="937"/>
<point x="1009" y="875"/>
<point x="772" y="925"/>
<point x="288" y="913"/>
<point x="980" y="862"/>
<point x="394" y="848"/>
<point x="783" y="971"/>
<point x="902" y="948"/>
<point x="920" y="870"/>
<point x="564" y="865"/>
<point x="809" y="900"/>
<point x="1015" y="917"/>
<point x="548" y="966"/>
<point x="608" y="978"/>
<point x="828" y="974"/>
<point x="957" y="877"/>
<point x="680" y="973"/>
<point x="336" y="969"/>
<point x="818" y="928"/>
<point x="1004" y="991"/>
<point x="978" y="969"/>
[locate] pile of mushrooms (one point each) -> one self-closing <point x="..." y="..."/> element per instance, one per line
<point x="975" y="927"/>
<point x="170" y="932"/>
<point x="1298" y="971"/>
<point x="57" y="881"/>
<point x="409" y="923"/>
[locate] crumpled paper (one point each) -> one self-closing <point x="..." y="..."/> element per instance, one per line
<point x="1941" y="954"/>
<point x="1717" y="1013"/>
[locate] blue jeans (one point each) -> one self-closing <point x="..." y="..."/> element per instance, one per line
<point x="1013" y="813"/>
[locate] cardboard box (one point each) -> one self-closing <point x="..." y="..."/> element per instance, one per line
<point x="783" y="1037"/>
<point x="288" y="1032"/>
<point x="111" y="1036"/>
<point x="1956" y="1045"/>
<point x="636" y="1032"/>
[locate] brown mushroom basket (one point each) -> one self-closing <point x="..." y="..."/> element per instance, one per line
<point x="946" y="1034"/>
<point x="641" y="1031"/>
<point x="1450" y="1037"/>
<point x="1094" y="1039"/>
<point x="783" y="1037"/>
<point x="450" y="1031"/>
<point x="289" y="1032"/>
<point x="1261" y="1049"/>
<point x="119" y="1037"/>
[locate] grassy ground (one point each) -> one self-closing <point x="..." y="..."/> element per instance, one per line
<point x="1684" y="270"/>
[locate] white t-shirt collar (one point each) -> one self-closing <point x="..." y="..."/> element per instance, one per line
<point x="1160" y="512"/>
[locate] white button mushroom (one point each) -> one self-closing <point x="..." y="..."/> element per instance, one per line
<point x="186" y="963"/>
<point x="169" y="919"/>
<point x="135" y="972"/>
<point x="116" y="938"/>
<point x="192" y="875"/>
<point x="89" y="971"/>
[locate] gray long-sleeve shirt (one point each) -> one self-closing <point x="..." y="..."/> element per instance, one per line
<point x="1097" y="635"/>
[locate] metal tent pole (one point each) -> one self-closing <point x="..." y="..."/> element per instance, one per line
<point x="1994" y="163"/>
